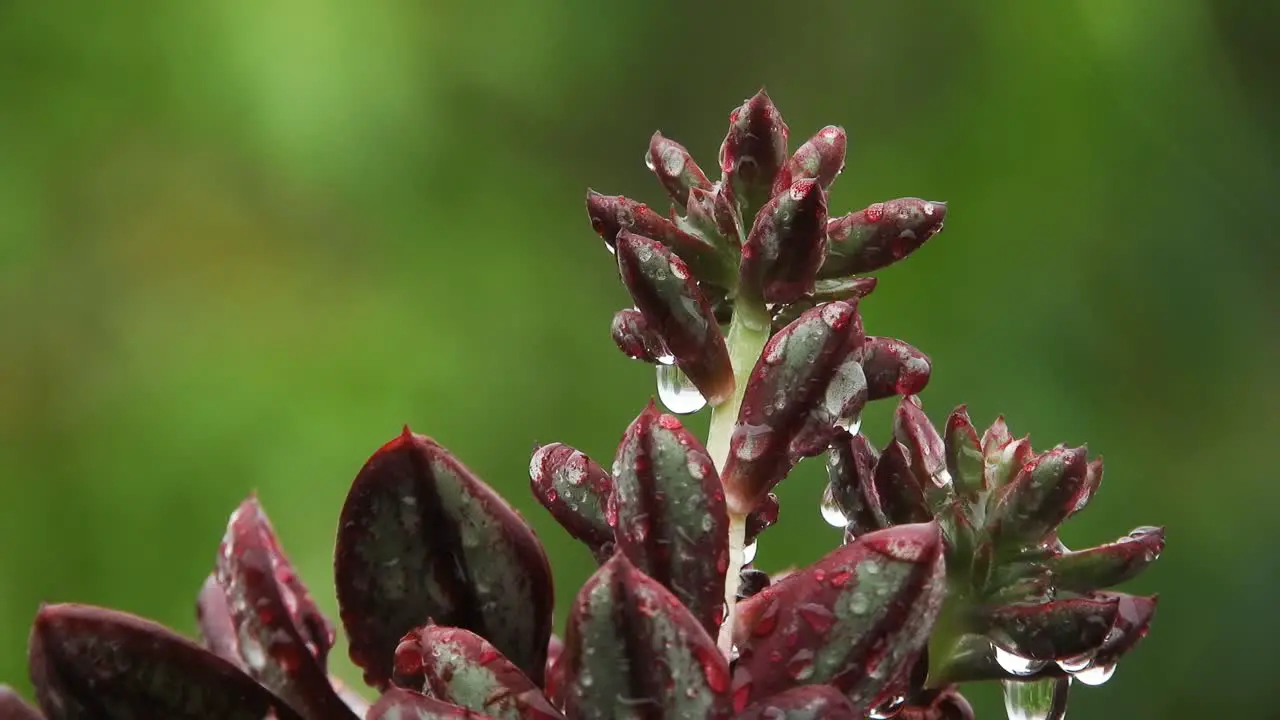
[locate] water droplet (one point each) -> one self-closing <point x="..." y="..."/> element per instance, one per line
<point x="942" y="478"/>
<point x="831" y="511"/>
<point x="800" y="666"/>
<point x="889" y="708"/>
<point x="1016" y="664"/>
<point x="1036" y="700"/>
<point x="676" y="392"/>
<point x="672" y="161"/>
<point x="851" y="424"/>
<point x="749" y="553"/>
<point x="1095" y="674"/>
<point x="1075" y="664"/>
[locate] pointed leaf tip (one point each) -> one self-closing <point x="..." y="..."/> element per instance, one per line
<point x="1110" y="564"/>
<point x="669" y="512"/>
<point x="610" y="215"/>
<point x="675" y="168"/>
<point x="753" y="151"/>
<point x="421" y="537"/>
<point x="90" y="663"/>
<point x="628" y="637"/>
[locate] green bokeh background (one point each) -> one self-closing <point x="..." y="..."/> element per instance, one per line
<point x="243" y="242"/>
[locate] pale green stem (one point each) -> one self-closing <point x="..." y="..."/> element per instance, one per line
<point x="748" y="333"/>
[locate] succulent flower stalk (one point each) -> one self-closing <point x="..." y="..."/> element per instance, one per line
<point x="947" y="565"/>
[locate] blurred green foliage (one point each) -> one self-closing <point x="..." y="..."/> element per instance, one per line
<point x="241" y="243"/>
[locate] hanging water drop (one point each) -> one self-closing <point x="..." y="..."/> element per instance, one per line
<point x="831" y="511"/>
<point x="1036" y="700"/>
<point x="749" y="554"/>
<point x="1015" y="664"/>
<point x="1095" y="674"/>
<point x="851" y="424"/>
<point x="889" y="708"/>
<point x="1073" y="665"/>
<point x="676" y="392"/>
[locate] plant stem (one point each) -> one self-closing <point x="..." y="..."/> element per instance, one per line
<point x="748" y="333"/>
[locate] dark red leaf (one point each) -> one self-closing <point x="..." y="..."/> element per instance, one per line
<point x="576" y="490"/>
<point x="856" y="619"/>
<point x="396" y="704"/>
<point x="851" y="466"/>
<point x="422" y="538"/>
<point x="13" y="707"/>
<point x="893" y="368"/>
<point x="90" y="663"/>
<point x="669" y="514"/>
<point x="820" y="158"/>
<point x="1107" y="565"/>
<point x="1053" y="630"/>
<point x="713" y="213"/>
<point x="786" y="245"/>
<point x="632" y="650"/>
<point x="667" y="293"/>
<point x="1133" y="618"/>
<point x="879" y="235"/>
<point x="282" y="637"/>
<point x="762" y="518"/>
<point x="633" y="336"/>
<point x="806" y="702"/>
<point x="675" y="168"/>
<point x="806" y="385"/>
<point x="612" y="214"/>
<point x="214" y="618"/>
<point x="895" y="495"/>
<point x="964" y="455"/>
<point x="462" y="668"/>
<point x="923" y="444"/>
<point x="1042" y="495"/>
<point x="753" y="151"/>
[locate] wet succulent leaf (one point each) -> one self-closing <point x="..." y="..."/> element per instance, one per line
<point x="806" y="382"/>
<point x="1044" y="699"/>
<point x="576" y="490"/>
<point x="675" y="168"/>
<point x="14" y="707"/>
<point x="1039" y="498"/>
<point x="855" y="619"/>
<point x="762" y="518"/>
<point x="893" y="368"/>
<point x="633" y="336"/>
<point x="397" y="704"/>
<point x="282" y="637"/>
<point x="713" y="214"/>
<point x="553" y="685"/>
<point x="1092" y="481"/>
<point x="631" y="649"/>
<point x="924" y="446"/>
<point x="879" y="235"/>
<point x="964" y="455"/>
<point x="462" y="668"/>
<point x="91" y="663"/>
<point x="1052" y="630"/>
<point x="806" y="702"/>
<point x="852" y="288"/>
<point x="668" y="295"/>
<point x="214" y="619"/>
<point x="1107" y="565"/>
<point x="612" y="214"/>
<point x="851" y="466"/>
<point x="786" y="245"/>
<point x="1134" y="614"/>
<point x="422" y="538"/>
<point x="895" y="494"/>
<point x="669" y="512"/>
<point x="820" y="158"/>
<point x="753" y="151"/>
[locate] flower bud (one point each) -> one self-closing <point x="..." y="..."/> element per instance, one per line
<point x="612" y="214"/>
<point x="893" y="368"/>
<point x="676" y="310"/>
<point x="880" y="235"/>
<point x="675" y="168"/>
<point x="821" y="158"/>
<point x="786" y="245"/>
<point x="753" y="151"/>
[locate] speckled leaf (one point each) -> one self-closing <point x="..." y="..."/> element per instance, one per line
<point x="1109" y="564"/>
<point x="669" y="514"/>
<point x="13" y="707"/>
<point x="667" y="293"/>
<point x="820" y="158"/>
<point x="675" y="168"/>
<point x="964" y="455"/>
<point x="805" y="385"/>
<point x="786" y="245"/>
<point x="612" y="214"/>
<point x="281" y="635"/>
<point x="1052" y="630"/>
<point x="855" y="619"/>
<point x="879" y="235"/>
<point x="462" y="668"/>
<point x="633" y="336"/>
<point x="576" y="490"/>
<point x="422" y="538"/>
<point x="1038" y="499"/>
<point x="90" y="663"/>
<point x="1134" y="614"/>
<point x="214" y="618"/>
<point x="851" y="465"/>
<point x="851" y="288"/>
<point x="911" y="428"/>
<point x="396" y="704"/>
<point x="895" y="494"/>
<point x="893" y="368"/>
<point x="632" y="650"/>
<point x="713" y="213"/>
<point x="807" y="702"/>
<point x="1092" y="481"/>
<point x="753" y="151"/>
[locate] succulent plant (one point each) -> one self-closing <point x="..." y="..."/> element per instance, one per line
<point x="746" y="300"/>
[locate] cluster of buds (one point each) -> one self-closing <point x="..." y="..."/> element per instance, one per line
<point x="746" y="299"/>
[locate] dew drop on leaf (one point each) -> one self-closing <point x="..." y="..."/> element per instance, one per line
<point x="1015" y="664"/>
<point x="675" y="391"/>
<point x="1095" y="674"/>
<point x="831" y="511"/>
